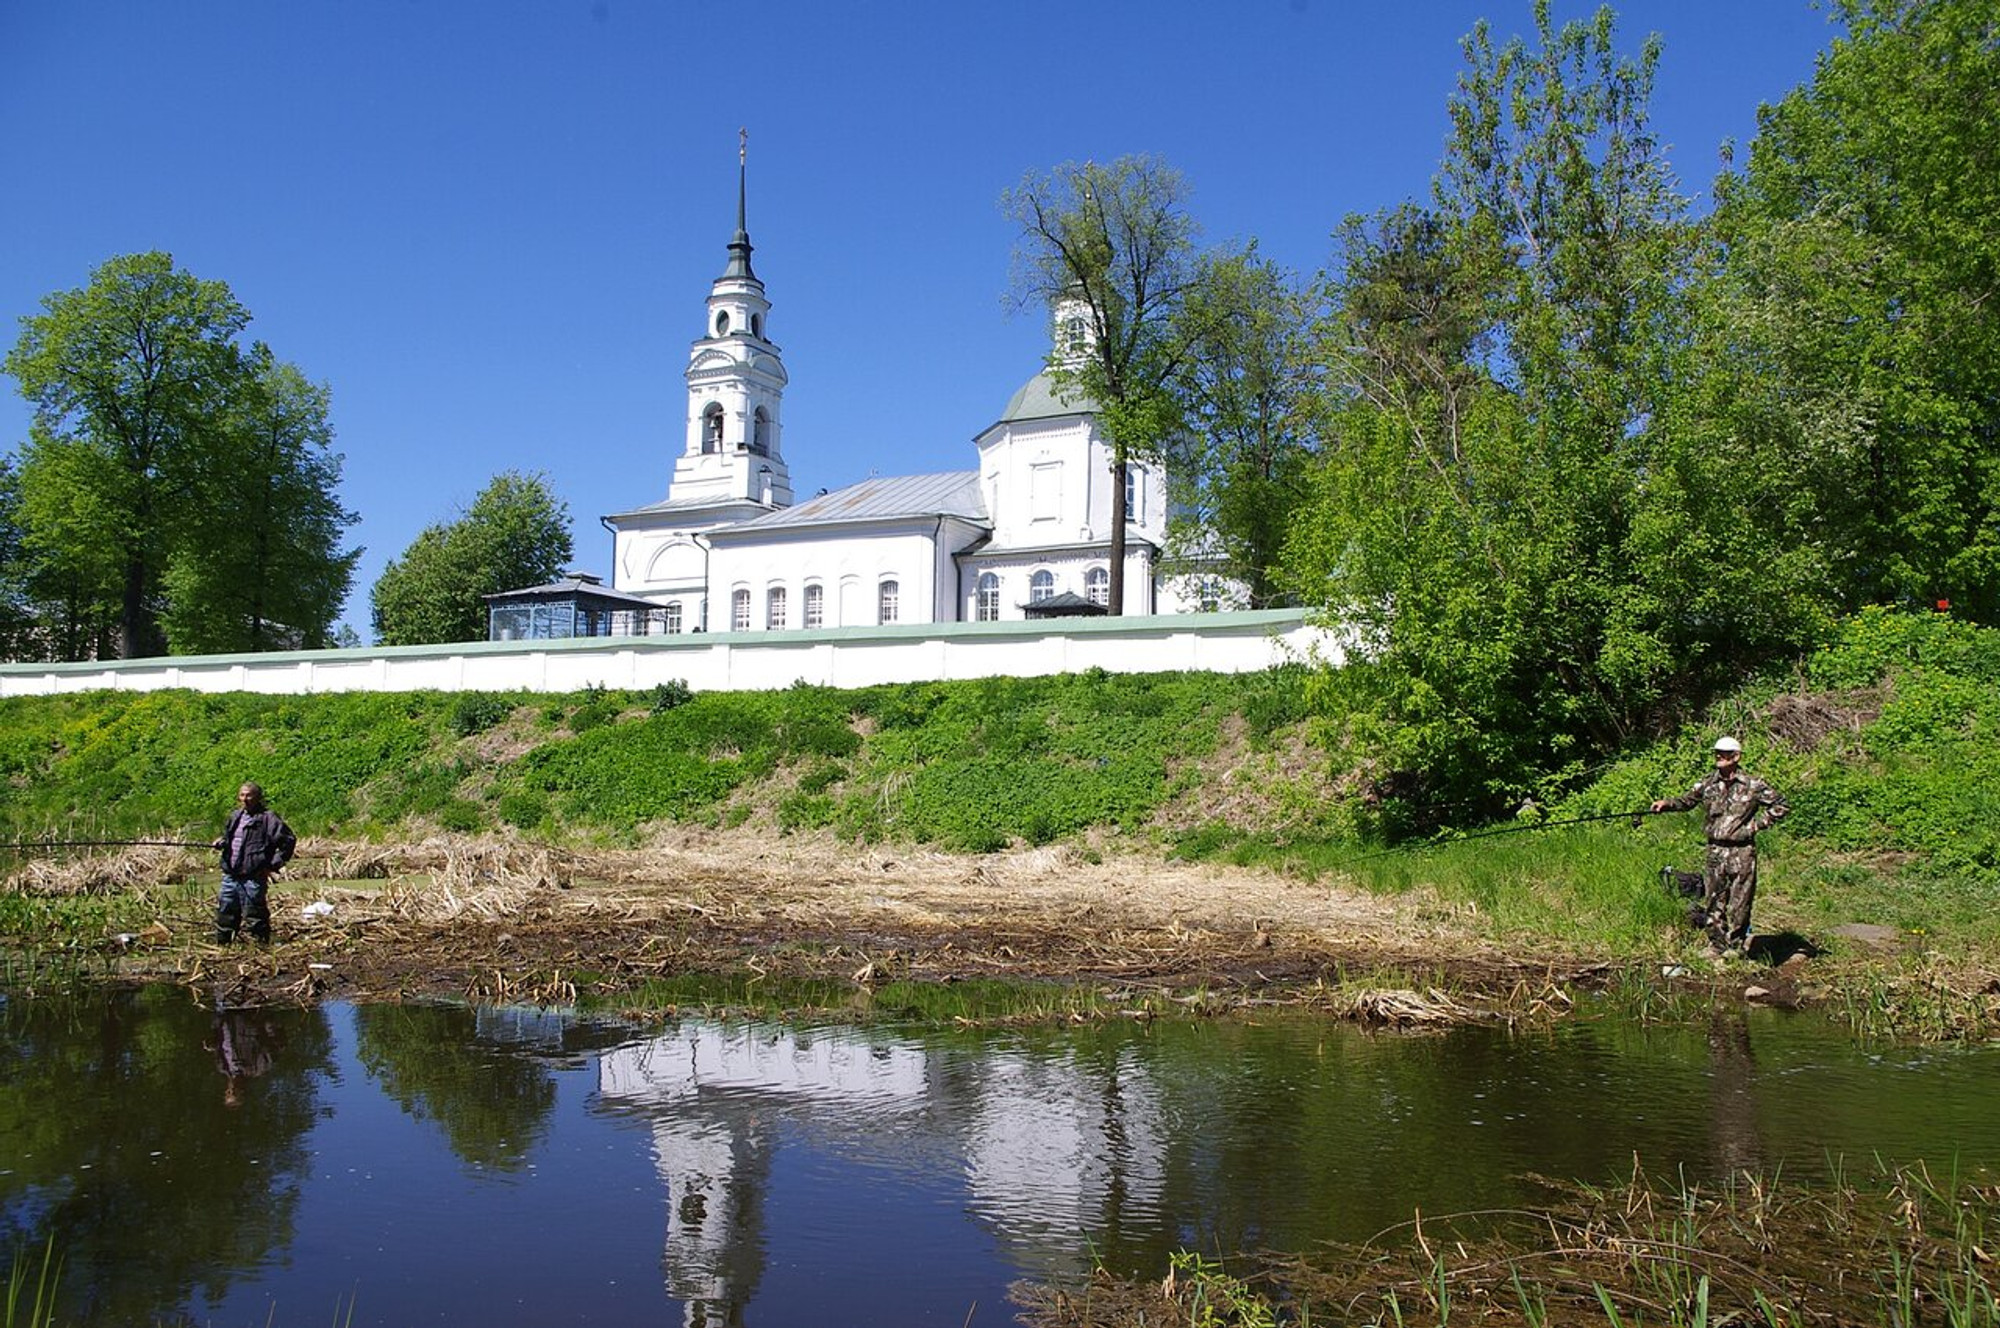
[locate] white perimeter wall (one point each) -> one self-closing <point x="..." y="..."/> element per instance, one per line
<point x="728" y="661"/>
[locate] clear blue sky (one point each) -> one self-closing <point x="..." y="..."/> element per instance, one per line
<point x="489" y="225"/>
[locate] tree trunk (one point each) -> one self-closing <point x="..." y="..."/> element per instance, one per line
<point x="134" y="626"/>
<point x="1116" y="604"/>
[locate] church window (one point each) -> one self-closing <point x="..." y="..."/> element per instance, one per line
<point x="774" y="609"/>
<point x="888" y="602"/>
<point x="739" y="611"/>
<point x="711" y="428"/>
<point x="986" y="607"/>
<point x="756" y="325"/>
<point x="1041" y="586"/>
<point x="721" y="323"/>
<point x="1208" y="594"/>
<point x="673" y="616"/>
<point x="815" y="606"/>
<point x="1134" y="494"/>
<point x="760" y="436"/>
<point x="1045" y="491"/>
<point x="1097" y="586"/>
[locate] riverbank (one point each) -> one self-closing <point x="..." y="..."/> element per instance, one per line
<point x="720" y="920"/>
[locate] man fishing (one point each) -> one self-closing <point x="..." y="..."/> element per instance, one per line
<point x="1735" y="807"/>
<point x="254" y="843"/>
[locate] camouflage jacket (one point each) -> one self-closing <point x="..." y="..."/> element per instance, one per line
<point x="1735" y="808"/>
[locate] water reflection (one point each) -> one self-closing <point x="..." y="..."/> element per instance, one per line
<point x="154" y="1176"/>
<point x="440" y="1065"/>
<point x="711" y="1173"/>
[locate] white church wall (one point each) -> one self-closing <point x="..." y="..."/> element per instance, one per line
<point x="730" y="661"/>
<point x="849" y="568"/>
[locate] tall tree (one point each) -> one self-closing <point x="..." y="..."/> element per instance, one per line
<point x="1856" y="319"/>
<point x="129" y="377"/>
<point x="1110" y="252"/>
<point x="1531" y="564"/>
<point x="516" y="533"/>
<point x="267" y="570"/>
<point x="1247" y="388"/>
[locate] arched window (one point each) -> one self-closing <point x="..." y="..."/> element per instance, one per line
<point x="1134" y="494"/>
<point x="721" y="323"/>
<point x="815" y="606"/>
<point x="1041" y="586"/>
<point x="756" y="325"/>
<point x="774" y="609"/>
<point x="1097" y="586"/>
<point x="760" y="432"/>
<point x="711" y="427"/>
<point x="739" y="611"/>
<point x="986" y="603"/>
<point x="888" y="602"/>
<point x="674" y="618"/>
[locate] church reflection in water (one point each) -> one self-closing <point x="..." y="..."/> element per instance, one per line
<point x="1046" y="1146"/>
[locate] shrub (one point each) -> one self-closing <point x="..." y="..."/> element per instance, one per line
<point x="462" y="815"/>
<point x="804" y="811"/>
<point x="476" y="712"/>
<point x="523" y="809"/>
<point x="670" y="695"/>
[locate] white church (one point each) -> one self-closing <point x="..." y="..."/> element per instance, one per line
<point x="730" y="548"/>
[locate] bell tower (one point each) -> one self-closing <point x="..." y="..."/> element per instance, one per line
<point x="734" y="448"/>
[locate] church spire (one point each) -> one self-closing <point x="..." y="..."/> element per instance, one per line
<point x="739" y="247"/>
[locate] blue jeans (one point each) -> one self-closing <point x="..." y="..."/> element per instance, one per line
<point x="242" y="902"/>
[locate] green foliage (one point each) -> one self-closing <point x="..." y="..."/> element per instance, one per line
<point x="174" y="487"/>
<point x="1908" y="764"/>
<point x="1853" y="333"/>
<point x="1539" y="544"/>
<point x="800" y="810"/>
<point x="263" y="568"/>
<point x="1247" y="387"/>
<point x="1108" y="250"/>
<point x="667" y="765"/>
<point x="523" y="809"/>
<point x="476" y="712"/>
<point x="668" y="695"/>
<point x="515" y="534"/>
<point x="598" y="707"/>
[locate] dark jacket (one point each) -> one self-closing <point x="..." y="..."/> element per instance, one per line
<point x="268" y="844"/>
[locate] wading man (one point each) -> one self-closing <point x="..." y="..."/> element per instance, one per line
<point x="254" y="843"/>
<point x="1734" y="808"/>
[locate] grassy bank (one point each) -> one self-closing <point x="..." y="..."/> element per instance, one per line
<point x="1885" y="742"/>
<point x="966" y="766"/>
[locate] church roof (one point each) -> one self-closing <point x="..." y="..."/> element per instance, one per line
<point x="1040" y="399"/>
<point x="951" y="493"/>
<point x="701" y="508"/>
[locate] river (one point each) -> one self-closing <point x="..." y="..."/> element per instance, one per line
<point x="408" y="1164"/>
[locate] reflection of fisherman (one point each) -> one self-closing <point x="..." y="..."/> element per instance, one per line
<point x="243" y="1044"/>
<point x="254" y="845"/>
<point x="1735" y="807"/>
<point x="1735" y="1143"/>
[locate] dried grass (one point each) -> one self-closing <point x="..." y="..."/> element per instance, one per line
<point x="121" y="870"/>
<point x="1404" y="1008"/>
<point x="1804" y="720"/>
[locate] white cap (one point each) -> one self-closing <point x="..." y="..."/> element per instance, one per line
<point x="1728" y="745"/>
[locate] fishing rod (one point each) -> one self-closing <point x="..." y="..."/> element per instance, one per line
<point x="1634" y="816"/>
<point x="28" y="845"/>
<point x="34" y="845"/>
